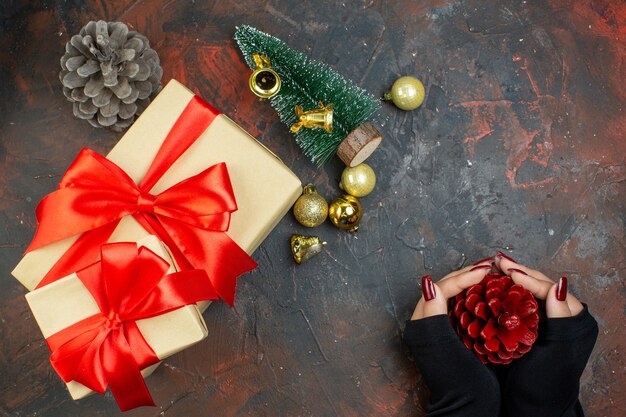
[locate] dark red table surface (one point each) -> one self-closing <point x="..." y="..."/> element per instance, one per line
<point x="519" y="146"/>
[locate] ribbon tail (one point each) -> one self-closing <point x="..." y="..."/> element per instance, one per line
<point x="175" y="290"/>
<point x="215" y="252"/>
<point x="142" y="352"/>
<point x="194" y="248"/>
<point x="223" y="272"/>
<point x="82" y="253"/>
<point x="123" y="374"/>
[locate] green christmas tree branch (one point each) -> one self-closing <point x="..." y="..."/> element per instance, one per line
<point x="306" y="82"/>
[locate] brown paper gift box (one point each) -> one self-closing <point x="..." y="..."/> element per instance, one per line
<point x="166" y="334"/>
<point x="264" y="187"/>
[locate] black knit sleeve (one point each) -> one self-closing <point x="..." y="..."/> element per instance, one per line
<point x="460" y="385"/>
<point x="545" y="381"/>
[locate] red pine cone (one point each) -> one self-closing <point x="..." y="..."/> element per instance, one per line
<point x="497" y="319"/>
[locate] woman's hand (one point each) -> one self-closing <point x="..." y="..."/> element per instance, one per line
<point x="434" y="299"/>
<point x="559" y="303"/>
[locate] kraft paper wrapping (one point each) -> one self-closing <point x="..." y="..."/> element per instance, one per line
<point x="264" y="187"/>
<point x="166" y="334"/>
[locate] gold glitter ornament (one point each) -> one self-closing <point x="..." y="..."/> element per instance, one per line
<point x="358" y="181"/>
<point x="346" y="212"/>
<point x="264" y="81"/>
<point x="407" y="93"/>
<point x="310" y="209"/>
<point x="304" y="247"/>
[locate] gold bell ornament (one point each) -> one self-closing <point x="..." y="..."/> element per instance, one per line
<point x="346" y="212"/>
<point x="310" y="209"/>
<point x="358" y="181"/>
<point x="407" y="93"/>
<point x="321" y="118"/>
<point x="264" y="81"/>
<point x="304" y="247"/>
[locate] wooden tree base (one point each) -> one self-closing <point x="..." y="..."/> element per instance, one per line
<point x="359" y="144"/>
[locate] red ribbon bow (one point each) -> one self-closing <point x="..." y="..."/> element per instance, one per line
<point x="191" y="217"/>
<point x="128" y="284"/>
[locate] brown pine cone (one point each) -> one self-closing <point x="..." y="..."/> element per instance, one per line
<point x="110" y="74"/>
<point x="497" y="319"/>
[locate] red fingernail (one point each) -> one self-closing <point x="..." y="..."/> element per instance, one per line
<point x="518" y="270"/>
<point x="483" y="260"/>
<point x="502" y="255"/>
<point x="561" y="289"/>
<point x="480" y="267"/>
<point x="428" y="288"/>
<point x="432" y="288"/>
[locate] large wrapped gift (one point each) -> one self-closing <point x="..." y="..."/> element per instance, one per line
<point x="113" y="321"/>
<point x="183" y="172"/>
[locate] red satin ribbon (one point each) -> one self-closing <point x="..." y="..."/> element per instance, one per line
<point x="191" y="217"/>
<point x="128" y="284"/>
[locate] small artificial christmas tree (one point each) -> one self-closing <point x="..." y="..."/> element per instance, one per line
<point x="306" y="83"/>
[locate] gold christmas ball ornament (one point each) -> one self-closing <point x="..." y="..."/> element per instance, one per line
<point x="407" y="93"/>
<point x="310" y="209"/>
<point x="358" y="181"/>
<point x="304" y="247"/>
<point x="346" y="212"/>
<point x="264" y="81"/>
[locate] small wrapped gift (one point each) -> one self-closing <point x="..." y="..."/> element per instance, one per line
<point x="183" y="172"/>
<point x="114" y="320"/>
